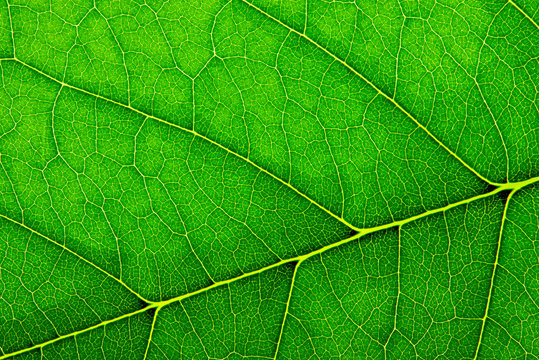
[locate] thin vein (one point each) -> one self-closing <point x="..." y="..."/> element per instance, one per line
<point x="96" y="326"/>
<point x="377" y="89"/>
<point x="359" y="234"/>
<point x="190" y="131"/>
<point x="127" y="78"/>
<point x="510" y="336"/>
<point x="77" y="255"/>
<point x="286" y="310"/>
<point x="151" y="334"/>
<point x="11" y="27"/>
<point x="499" y="245"/>
<point x="160" y="304"/>
<point x="474" y="79"/>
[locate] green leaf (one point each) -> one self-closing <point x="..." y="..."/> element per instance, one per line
<point x="269" y="180"/>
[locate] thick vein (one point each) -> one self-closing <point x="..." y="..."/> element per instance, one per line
<point x="523" y="13"/>
<point x="377" y="89"/>
<point x="158" y="305"/>
<point x="193" y="132"/>
<point x="361" y="232"/>
<point x="96" y="326"/>
<point x="499" y="245"/>
<point x="76" y="255"/>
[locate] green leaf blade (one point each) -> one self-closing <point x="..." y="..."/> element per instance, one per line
<point x="270" y="180"/>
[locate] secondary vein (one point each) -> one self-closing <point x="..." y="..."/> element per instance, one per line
<point x="494" y="268"/>
<point x="377" y="89"/>
<point x="77" y="255"/>
<point x="193" y="132"/>
<point x="514" y="187"/>
<point x="523" y="13"/>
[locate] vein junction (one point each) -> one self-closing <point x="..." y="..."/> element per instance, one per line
<point x="158" y="305"/>
<point x="513" y="187"/>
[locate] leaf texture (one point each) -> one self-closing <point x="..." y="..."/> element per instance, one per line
<point x="269" y="180"/>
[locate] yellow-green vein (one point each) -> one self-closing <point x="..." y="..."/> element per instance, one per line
<point x="377" y="89"/>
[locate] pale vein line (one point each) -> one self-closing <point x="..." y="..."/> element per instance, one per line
<point x="76" y="255"/>
<point x="160" y="304"/>
<point x="484" y="320"/>
<point x="399" y="259"/>
<point x="357" y="73"/>
<point x="510" y="336"/>
<point x="286" y="310"/>
<point x="193" y="132"/>
<point x="151" y="333"/>
<point x="11" y="27"/>
<point x="523" y="13"/>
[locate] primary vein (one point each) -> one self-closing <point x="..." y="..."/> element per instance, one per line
<point x="158" y="305"/>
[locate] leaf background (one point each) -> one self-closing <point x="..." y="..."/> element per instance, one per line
<point x="269" y="180"/>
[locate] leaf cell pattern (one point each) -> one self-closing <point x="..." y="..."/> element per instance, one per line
<point x="269" y="179"/>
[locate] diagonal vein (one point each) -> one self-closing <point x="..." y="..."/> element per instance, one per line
<point x="193" y="132"/>
<point x="151" y="334"/>
<point x="523" y="13"/>
<point x="514" y="187"/>
<point x="66" y="336"/>
<point x="76" y="255"/>
<point x="377" y="89"/>
<point x="361" y="232"/>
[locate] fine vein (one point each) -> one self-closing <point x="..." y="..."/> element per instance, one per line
<point x="286" y="310"/>
<point x="523" y="13"/>
<point x="377" y="89"/>
<point x="76" y="255"/>
<point x="494" y="268"/>
<point x="158" y="305"/>
<point x="193" y="132"/>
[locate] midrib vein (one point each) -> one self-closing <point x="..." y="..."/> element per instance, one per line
<point x="360" y="232"/>
<point x="158" y="305"/>
<point x="193" y="132"/>
<point x="39" y="346"/>
<point x="376" y="88"/>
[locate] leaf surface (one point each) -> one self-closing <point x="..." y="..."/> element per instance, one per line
<point x="269" y="180"/>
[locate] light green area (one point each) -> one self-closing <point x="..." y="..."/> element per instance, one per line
<point x="163" y="210"/>
<point x="269" y="180"/>
<point x="466" y="70"/>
